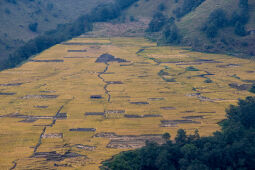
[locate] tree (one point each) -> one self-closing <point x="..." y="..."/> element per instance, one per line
<point x="166" y="137"/>
<point x="181" y="136"/>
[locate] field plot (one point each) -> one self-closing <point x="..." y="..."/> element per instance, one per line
<point x="83" y="101"/>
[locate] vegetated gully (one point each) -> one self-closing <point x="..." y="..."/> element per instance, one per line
<point x="107" y="92"/>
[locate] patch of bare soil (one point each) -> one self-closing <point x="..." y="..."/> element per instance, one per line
<point x="85" y="147"/>
<point x="142" y="116"/>
<point x="168" y="108"/>
<point x="52" y="135"/>
<point x="174" y="123"/>
<point x="114" y="111"/>
<point x="40" y="97"/>
<point x="54" y="156"/>
<point x="127" y="29"/>
<point x="114" y="82"/>
<point x="129" y="141"/>
<point x="78" y="51"/>
<point x="228" y="65"/>
<point x="41" y="107"/>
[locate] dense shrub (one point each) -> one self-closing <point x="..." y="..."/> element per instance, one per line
<point x="125" y="3"/>
<point x="231" y="148"/>
<point x="216" y="20"/>
<point x="105" y="12"/>
<point x="33" y="27"/>
<point x="157" y="23"/>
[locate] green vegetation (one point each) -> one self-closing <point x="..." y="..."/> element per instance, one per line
<point x="208" y="80"/>
<point x="252" y="90"/>
<point x="231" y="148"/>
<point x="191" y="68"/>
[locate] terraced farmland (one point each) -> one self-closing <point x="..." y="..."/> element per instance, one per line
<point x="83" y="101"/>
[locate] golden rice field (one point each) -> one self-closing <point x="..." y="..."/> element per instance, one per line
<point x="62" y="110"/>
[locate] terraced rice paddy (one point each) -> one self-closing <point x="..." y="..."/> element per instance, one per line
<point x="62" y="109"/>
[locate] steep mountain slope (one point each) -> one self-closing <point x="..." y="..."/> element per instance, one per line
<point x="191" y="19"/>
<point x="26" y="19"/>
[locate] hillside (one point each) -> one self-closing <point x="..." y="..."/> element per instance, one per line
<point x="191" y="19"/>
<point x="26" y="19"/>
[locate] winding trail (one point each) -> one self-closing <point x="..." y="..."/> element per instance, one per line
<point x="107" y="92"/>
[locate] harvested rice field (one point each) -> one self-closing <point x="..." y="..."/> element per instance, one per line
<point x="85" y="100"/>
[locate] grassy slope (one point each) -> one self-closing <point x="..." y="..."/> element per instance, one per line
<point x="145" y="8"/>
<point x="191" y="23"/>
<point x="15" y="19"/>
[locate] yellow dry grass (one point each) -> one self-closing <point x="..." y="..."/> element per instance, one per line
<point x="75" y="80"/>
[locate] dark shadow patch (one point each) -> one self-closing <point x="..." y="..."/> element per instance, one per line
<point x="54" y="156"/>
<point x="193" y="117"/>
<point x="139" y="103"/>
<point x="240" y="87"/>
<point x="85" y="147"/>
<point x="83" y="130"/>
<point x="151" y="115"/>
<point x="47" y="61"/>
<point x="7" y="94"/>
<point x="78" y="51"/>
<point x="188" y="111"/>
<point x="105" y="58"/>
<point x="94" y="114"/>
<point x="132" y="116"/>
<point x="11" y="84"/>
<point x="96" y="97"/>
